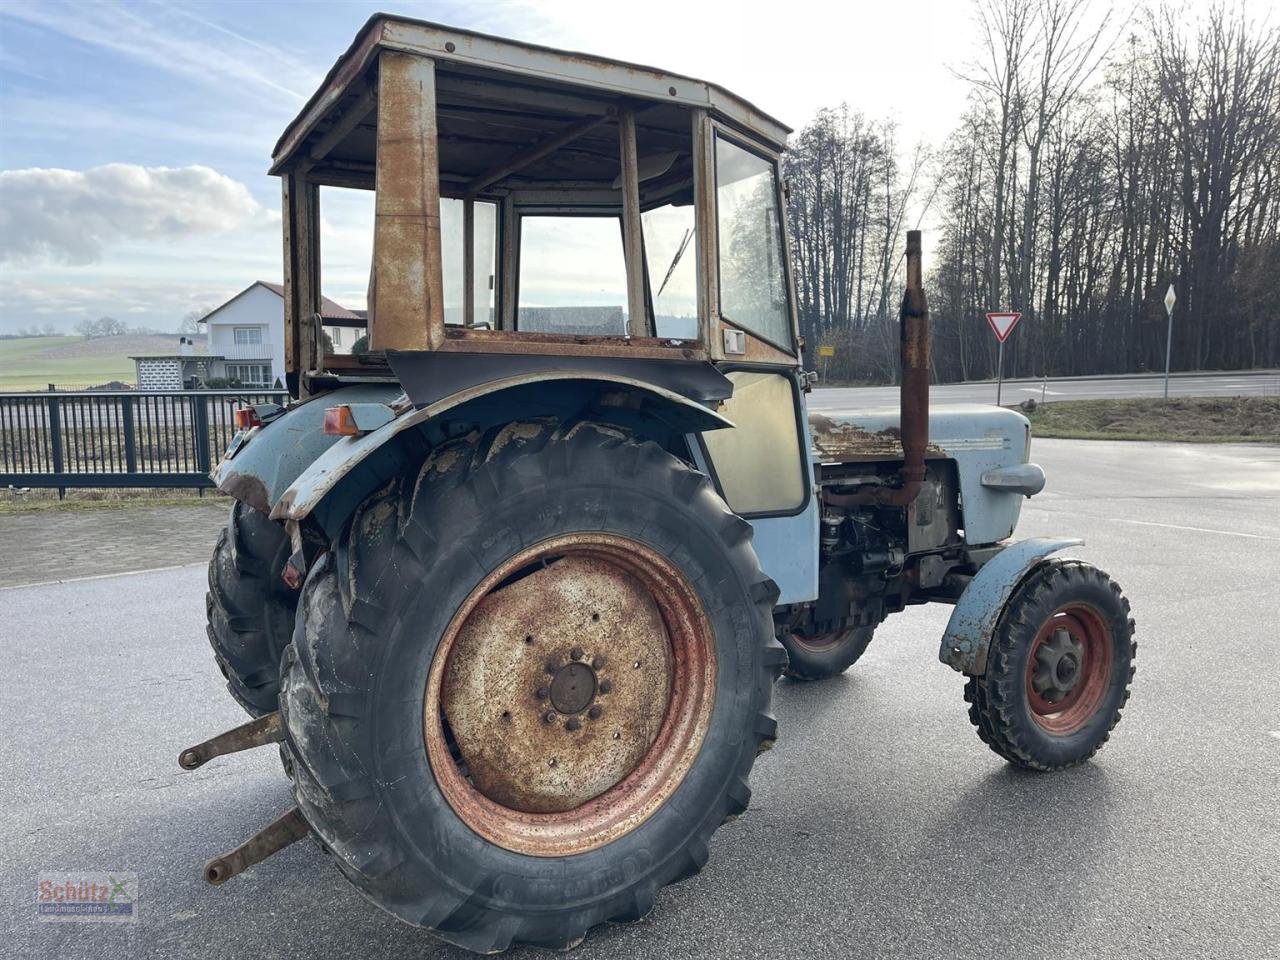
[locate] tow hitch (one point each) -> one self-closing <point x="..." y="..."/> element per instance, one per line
<point x="280" y="833"/>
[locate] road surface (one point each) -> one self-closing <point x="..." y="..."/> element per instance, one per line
<point x="880" y="826"/>
<point x="1245" y="384"/>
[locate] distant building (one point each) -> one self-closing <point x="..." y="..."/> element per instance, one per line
<point x="174" y="371"/>
<point x="246" y="334"/>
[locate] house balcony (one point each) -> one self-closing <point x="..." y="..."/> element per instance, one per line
<point x="261" y="352"/>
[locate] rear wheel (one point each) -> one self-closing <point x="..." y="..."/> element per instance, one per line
<point x="250" y="609"/>
<point x="529" y="683"/>
<point x="1058" y="670"/>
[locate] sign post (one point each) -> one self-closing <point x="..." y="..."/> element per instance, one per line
<point x="1002" y="325"/>
<point x="1170" y="299"/>
<point x="826" y="353"/>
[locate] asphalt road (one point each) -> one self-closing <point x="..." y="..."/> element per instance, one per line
<point x="880" y="826"/>
<point x="1264" y="383"/>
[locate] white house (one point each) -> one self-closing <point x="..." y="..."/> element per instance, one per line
<point x="246" y="334"/>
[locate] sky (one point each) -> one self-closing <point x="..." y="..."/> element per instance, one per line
<point x="135" y="137"/>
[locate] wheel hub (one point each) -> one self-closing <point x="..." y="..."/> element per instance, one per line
<point x="1057" y="666"/>
<point x="573" y="688"/>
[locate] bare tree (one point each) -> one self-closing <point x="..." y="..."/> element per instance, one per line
<point x="1084" y="178"/>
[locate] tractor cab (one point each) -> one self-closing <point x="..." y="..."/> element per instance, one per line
<point x="536" y="203"/>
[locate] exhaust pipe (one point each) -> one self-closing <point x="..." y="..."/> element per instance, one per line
<point x="913" y="322"/>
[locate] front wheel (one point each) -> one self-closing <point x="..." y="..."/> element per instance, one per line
<point x="1058" y="669"/>
<point x="529" y="683"/>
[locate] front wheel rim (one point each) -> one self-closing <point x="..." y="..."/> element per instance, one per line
<point x="570" y="694"/>
<point x="1069" y="669"/>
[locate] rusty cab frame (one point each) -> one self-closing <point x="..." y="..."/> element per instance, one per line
<point x="466" y="139"/>
<point x="423" y="113"/>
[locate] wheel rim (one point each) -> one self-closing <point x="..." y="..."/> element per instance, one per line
<point x="570" y="694"/>
<point x="820" y="641"/>
<point x="1069" y="669"/>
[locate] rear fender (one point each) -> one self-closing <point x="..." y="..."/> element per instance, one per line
<point x="340" y="477"/>
<point x="271" y="457"/>
<point x="973" y="621"/>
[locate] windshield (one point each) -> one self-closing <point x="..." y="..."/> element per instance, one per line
<point x="752" y="278"/>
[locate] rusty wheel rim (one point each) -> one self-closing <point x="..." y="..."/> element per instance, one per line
<point x="1069" y="669"/>
<point x="559" y="736"/>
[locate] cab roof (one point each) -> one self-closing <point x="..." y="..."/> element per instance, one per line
<point x="522" y="88"/>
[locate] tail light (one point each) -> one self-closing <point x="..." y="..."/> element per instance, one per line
<point x="340" y="422"/>
<point x="247" y="417"/>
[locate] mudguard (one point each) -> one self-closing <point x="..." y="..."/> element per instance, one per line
<point x="973" y="621"/>
<point x="319" y="479"/>
<point x="261" y="464"/>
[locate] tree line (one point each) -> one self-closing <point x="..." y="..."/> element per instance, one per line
<point x="1098" y="163"/>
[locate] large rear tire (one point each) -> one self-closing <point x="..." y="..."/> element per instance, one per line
<point x="489" y="731"/>
<point x="250" y="609"/>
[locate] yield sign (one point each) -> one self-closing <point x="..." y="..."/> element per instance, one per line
<point x="1003" y="324"/>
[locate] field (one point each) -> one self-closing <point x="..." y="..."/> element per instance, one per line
<point x="32" y="363"/>
<point x="1194" y="419"/>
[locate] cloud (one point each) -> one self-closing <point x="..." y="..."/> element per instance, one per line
<point x="159" y="43"/>
<point x="72" y="216"/>
<point x="157" y="303"/>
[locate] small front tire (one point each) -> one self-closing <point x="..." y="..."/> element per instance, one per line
<point x="1058" y="670"/>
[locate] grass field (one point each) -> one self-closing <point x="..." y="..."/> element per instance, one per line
<point x="32" y="363"/>
<point x="1192" y="419"/>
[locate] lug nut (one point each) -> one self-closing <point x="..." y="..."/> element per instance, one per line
<point x="594" y="713"/>
<point x="551" y="716"/>
<point x="542" y="693"/>
<point x="606" y="686"/>
<point x="573" y="723"/>
<point x="577" y="653"/>
<point x="597" y="662"/>
<point x="552" y="666"/>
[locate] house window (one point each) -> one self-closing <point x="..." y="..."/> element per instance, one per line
<point x="247" y="336"/>
<point x="249" y="374"/>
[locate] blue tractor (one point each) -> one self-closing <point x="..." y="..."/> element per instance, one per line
<point x="511" y="589"/>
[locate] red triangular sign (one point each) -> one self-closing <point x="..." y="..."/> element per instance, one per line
<point x="1003" y="324"/>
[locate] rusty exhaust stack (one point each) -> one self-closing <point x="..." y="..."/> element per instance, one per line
<point x="914" y="323"/>
<point x="914" y="397"/>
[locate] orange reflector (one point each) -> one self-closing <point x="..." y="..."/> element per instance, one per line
<point x="339" y="422"/>
<point x="247" y="417"/>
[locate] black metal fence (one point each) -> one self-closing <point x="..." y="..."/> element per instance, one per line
<point x="118" y="439"/>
